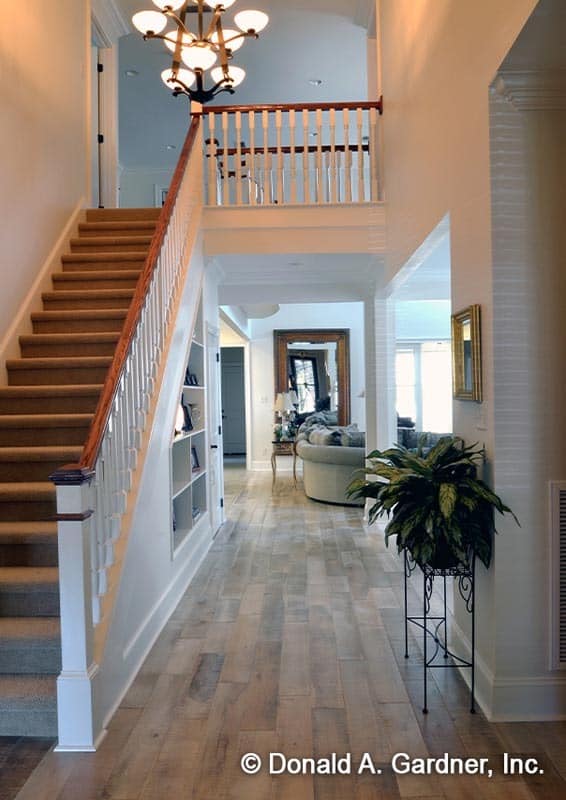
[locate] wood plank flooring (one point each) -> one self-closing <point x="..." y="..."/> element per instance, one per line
<point x="290" y="640"/>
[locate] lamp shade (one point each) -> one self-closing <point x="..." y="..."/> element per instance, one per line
<point x="173" y="37"/>
<point x="173" y="4"/>
<point x="229" y="33"/>
<point x="149" y="21"/>
<point x="251" y="20"/>
<point x="283" y="403"/>
<point x="185" y="76"/>
<point x="199" y="57"/>
<point x="236" y="75"/>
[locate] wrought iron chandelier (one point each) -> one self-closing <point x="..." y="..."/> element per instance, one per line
<point x="208" y="47"/>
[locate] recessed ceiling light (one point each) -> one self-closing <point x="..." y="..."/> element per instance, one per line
<point x="315" y="82"/>
<point x="171" y="146"/>
<point x="296" y="264"/>
<point x="313" y="134"/>
<point x="131" y="73"/>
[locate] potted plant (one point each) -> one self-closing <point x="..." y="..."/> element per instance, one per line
<point x="438" y="508"/>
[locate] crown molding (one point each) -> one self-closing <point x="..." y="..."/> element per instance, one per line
<point x="108" y="22"/>
<point x="533" y="90"/>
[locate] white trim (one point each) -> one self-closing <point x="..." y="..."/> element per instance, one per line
<point x="524" y="698"/>
<point x="530" y="90"/>
<point x="108" y="22"/>
<point x="21" y="324"/>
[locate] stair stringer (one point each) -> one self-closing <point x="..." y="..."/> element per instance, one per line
<point x="144" y="583"/>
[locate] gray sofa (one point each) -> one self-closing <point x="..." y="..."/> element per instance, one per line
<point x="331" y="455"/>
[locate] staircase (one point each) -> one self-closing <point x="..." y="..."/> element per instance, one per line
<point x="45" y="414"/>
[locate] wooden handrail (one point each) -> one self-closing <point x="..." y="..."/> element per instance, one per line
<point x="102" y="413"/>
<point x="365" y="105"/>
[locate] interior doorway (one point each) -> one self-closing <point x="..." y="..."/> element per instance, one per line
<point x="233" y="401"/>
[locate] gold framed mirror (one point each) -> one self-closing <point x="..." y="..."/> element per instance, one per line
<point x="466" y="354"/>
<point x="315" y="365"/>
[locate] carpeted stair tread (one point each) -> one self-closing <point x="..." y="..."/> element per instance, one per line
<point x="58" y="390"/>
<point x="34" y="630"/>
<point x="93" y="294"/>
<point x="30" y="490"/>
<point x="94" y="241"/>
<point x="88" y="258"/>
<point x="76" y="338"/>
<point x="44" y="453"/>
<point x="125" y="227"/>
<point x="29" y="579"/>
<point x="44" y="420"/>
<point x="80" y="313"/>
<point x="58" y="362"/>
<point x="122" y="214"/>
<point x="71" y="276"/>
<point x="29" y="690"/>
<point x="27" y="532"/>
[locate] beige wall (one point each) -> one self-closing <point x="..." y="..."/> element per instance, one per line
<point x="44" y="89"/>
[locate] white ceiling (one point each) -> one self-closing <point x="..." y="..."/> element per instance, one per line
<point x="431" y="279"/>
<point x="541" y="45"/>
<point x="305" y="39"/>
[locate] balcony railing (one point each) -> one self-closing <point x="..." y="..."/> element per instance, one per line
<point x="292" y="154"/>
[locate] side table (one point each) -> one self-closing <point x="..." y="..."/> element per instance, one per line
<point x="283" y="447"/>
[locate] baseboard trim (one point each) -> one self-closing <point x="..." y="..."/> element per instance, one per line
<point x="525" y="698"/>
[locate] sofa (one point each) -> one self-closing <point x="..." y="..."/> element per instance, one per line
<point x="331" y="455"/>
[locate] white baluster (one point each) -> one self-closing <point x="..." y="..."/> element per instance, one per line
<point x="333" y="177"/>
<point x="213" y="198"/>
<point x="240" y="172"/>
<point x="319" y="165"/>
<point x="266" y="158"/>
<point x="306" y="160"/>
<point x="279" y="175"/>
<point x="373" y="154"/>
<point x="225" y="161"/>
<point x="292" y="158"/>
<point x="254" y="177"/>
<point x="360" y="124"/>
<point x="347" y="157"/>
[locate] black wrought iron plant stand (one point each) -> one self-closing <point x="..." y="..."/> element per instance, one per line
<point x="435" y="627"/>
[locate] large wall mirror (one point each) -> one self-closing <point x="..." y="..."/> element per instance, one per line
<point x="316" y="365"/>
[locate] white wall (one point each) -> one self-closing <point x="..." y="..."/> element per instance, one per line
<point x="438" y="61"/>
<point x="416" y="320"/>
<point x="152" y="582"/>
<point x="45" y="89"/>
<point x="307" y="315"/>
<point x="137" y="186"/>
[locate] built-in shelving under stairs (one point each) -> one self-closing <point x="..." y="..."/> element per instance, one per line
<point x="45" y="414"/>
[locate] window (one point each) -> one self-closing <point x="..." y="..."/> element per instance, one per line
<point x="305" y="382"/>
<point x="423" y="373"/>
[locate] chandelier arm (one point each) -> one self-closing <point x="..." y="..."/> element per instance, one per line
<point x="179" y="20"/>
<point x="214" y="23"/>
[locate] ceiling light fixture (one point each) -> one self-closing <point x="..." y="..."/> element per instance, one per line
<point x="200" y="50"/>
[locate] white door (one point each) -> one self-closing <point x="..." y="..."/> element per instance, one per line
<point x="216" y="475"/>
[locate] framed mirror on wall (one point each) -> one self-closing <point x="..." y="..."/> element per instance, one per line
<point x="315" y="366"/>
<point x="466" y="354"/>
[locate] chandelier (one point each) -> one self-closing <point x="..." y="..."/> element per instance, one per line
<point x="208" y="46"/>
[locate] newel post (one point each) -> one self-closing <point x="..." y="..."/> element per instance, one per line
<point x="78" y="727"/>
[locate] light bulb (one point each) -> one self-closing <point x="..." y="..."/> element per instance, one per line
<point x="228" y="34"/>
<point x="251" y="21"/>
<point x="149" y="21"/>
<point x="198" y="57"/>
<point x="236" y="75"/>
<point x="163" y="4"/>
<point x="172" y="38"/>
<point x="184" y="75"/>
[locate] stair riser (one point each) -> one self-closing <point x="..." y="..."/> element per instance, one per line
<point x="114" y="247"/>
<point x="25" y="471"/>
<point x="49" y="405"/>
<point x="85" y="302"/>
<point x="15" y="437"/>
<point x="102" y="266"/>
<point x="122" y="214"/>
<point x="28" y="555"/>
<point x="20" y="658"/>
<point x="56" y="377"/>
<point x="11" y="511"/>
<point x="79" y="326"/>
<point x="16" y="722"/>
<point x="72" y="350"/>
<point x="105" y="283"/>
<point x="29" y="604"/>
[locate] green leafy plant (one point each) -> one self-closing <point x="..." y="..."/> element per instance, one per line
<point x="437" y="506"/>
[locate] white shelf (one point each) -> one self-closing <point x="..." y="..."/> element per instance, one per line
<point x="179" y="488"/>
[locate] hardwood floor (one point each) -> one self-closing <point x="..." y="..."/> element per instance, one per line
<point x="290" y="640"/>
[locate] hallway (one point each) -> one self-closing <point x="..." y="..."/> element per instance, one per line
<point x="290" y="640"/>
